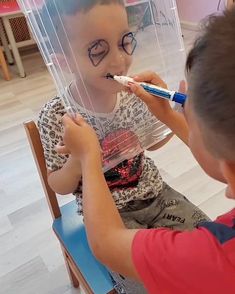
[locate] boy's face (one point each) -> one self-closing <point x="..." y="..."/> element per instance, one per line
<point x="96" y="40"/>
<point x="211" y="165"/>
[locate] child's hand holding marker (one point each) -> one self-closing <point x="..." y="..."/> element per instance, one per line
<point x="161" y="108"/>
<point x="148" y="84"/>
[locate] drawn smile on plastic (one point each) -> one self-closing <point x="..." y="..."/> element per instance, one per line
<point x="98" y="50"/>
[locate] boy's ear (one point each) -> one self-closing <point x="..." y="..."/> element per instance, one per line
<point x="228" y="170"/>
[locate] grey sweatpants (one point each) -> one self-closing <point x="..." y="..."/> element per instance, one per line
<point x="169" y="209"/>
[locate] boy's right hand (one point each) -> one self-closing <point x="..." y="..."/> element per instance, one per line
<point x="160" y="107"/>
<point x="80" y="140"/>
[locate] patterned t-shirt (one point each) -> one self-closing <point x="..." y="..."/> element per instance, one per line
<point x="134" y="179"/>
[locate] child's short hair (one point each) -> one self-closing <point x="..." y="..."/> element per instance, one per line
<point x="211" y="67"/>
<point x="70" y="7"/>
<point x="54" y="12"/>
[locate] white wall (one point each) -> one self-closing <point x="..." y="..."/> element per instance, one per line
<point x="193" y="11"/>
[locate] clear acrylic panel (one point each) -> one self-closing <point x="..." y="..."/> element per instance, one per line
<point x="83" y="40"/>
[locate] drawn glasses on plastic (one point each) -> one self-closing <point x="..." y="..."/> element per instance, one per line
<point x="100" y="48"/>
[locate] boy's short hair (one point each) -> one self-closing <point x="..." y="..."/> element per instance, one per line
<point x="54" y="12"/>
<point x="211" y="67"/>
<point x="71" y="7"/>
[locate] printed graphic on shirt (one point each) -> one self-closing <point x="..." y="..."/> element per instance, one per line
<point x="132" y="179"/>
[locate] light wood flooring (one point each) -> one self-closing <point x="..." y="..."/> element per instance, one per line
<point x="30" y="258"/>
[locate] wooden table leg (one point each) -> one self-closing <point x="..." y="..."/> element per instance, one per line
<point x="14" y="48"/>
<point x="4" y="66"/>
<point x="5" y="45"/>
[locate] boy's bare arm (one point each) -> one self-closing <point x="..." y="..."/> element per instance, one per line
<point x="109" y="240"/>
<point x="230" y="4"/>
<point x="178" y="124"/>
<point x="65" y="180"/>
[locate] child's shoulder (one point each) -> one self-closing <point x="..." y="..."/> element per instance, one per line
<point x="131" y="99"/>
<point x="51" y="114"/>
<point x="132" y="104"/>
<point x="54" y="107"/>
<point x="124" y="95"/>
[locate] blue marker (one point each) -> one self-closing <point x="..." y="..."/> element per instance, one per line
<point x="152" y="89"/>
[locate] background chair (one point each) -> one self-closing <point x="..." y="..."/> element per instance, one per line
<point x="10" y="11"/>
<point x="82" y="266"/>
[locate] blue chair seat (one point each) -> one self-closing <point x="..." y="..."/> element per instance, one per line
<point x="71" y="232"/>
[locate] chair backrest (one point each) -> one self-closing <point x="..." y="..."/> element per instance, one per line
<point x="37" y="150"/>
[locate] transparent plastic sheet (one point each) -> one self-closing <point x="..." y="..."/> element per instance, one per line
<point x="59" y="31"/>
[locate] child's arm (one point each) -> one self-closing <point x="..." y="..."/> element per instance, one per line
<point x="161" y="107"/>
<point x="66" y="179"/>
<point x="63" y="170"/>
<point x="108" y="238"/>
<point x="230" y="3"/>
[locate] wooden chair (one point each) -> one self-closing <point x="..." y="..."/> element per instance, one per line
<point x="82" y="266"/>
<point x="3" y="64"/>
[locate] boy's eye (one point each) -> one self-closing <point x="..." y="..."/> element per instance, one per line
<point x="98" y="51"/>
<point x="93" y="55"/>
<point x="129" y="43"/>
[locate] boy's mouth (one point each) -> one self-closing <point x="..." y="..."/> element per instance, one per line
<point x="110" y="76"/>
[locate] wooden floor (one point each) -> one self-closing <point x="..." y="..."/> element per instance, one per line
<point x="30" y="256"/>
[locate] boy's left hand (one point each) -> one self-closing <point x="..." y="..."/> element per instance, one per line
<point x="80" y="139"/>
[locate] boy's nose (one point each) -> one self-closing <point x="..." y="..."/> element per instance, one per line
<point x="116" y="57"/>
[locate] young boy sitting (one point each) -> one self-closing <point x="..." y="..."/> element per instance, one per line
<point x="100" y="42"/>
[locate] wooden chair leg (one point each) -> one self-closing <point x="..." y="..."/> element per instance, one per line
<point x="76" y="276"/>
<point x="72" y="277"/>
<point x="79" y="276"/>
<point x="4" y="66"/>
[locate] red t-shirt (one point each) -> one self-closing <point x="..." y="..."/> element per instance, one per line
<point x="198" y="262"/>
